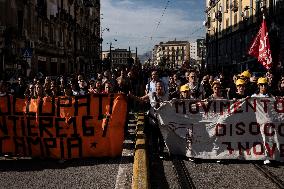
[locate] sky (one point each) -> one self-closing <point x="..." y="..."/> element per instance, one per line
<point x="144" y="23"/>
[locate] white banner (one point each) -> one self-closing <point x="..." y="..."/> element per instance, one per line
<point x="251" y="129"/>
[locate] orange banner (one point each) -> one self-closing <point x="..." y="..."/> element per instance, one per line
<point x="63" y="127"/>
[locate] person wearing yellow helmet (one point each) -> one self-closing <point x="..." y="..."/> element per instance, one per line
<point x="184" y="92"/>
<point x="240" y="90"/>
<point x="246" y="74"/>
<point x="262" y="88"/>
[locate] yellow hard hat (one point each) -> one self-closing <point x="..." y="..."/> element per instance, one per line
<point x="184" y="88"/>
<point x="240" y="82"/>
<point x="246" y="74"/>
<point x="262" y="80"/>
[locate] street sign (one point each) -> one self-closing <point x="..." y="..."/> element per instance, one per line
<point x="27" y="52"/>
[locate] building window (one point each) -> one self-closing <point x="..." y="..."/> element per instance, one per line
<point x="227" y="23"/>
<point x="227" y="5"/>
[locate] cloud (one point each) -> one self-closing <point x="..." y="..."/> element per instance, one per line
<point x="133" y="24"/>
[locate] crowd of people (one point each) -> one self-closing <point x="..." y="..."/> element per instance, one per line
<point x="149" y="86"/>
<point x="123" y="81"/>
<point x="189" y="84"/>
<point x="210" y="87"/>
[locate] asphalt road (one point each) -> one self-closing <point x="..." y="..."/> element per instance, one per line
<point x="210" y="174"/>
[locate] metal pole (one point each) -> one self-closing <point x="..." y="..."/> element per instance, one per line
<point x="75" y="34"/>
<point x="136" y="56"/>
<point x="110" y="57"/>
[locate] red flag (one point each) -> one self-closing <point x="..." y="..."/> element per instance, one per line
<point x="260" y="48"/>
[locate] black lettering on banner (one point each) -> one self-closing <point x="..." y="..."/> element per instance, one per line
<point x="34" y="141"/>
<point x="176" y="106"/>
<point x="44" y="124"/>
<point x="20" y="144"/>
<point x="261" y="152"/>
<point x="250" y="106"/>
<point x="8" y="105"/>
<point x="62" y="148"/>
<point x="14" y="107"/>
<point x="3" y="125"/>
<point x="269" y="150"/>
<point x="281" y="129"/>
<point x="279" y="102"/>
<point x="23" y="125"/>
<point x="267" y="129"/>
<point x="31" y="125"/>
<point x="229" y="147"/>
<point x="193" y="109"/>
<point x="49" y="143"/>
<point x="86" y="104"/>
<point x="1" y="142"/>
<point x="14" y="119"/>
<point x="40" y="108"/>
<point x="87" y="131"/>
<point x="240" y="128"/>
<point x="281" y="146"/>
<point x="253" y="125"/>
<point x="59" y="105"/>
<point x="246" y="148"/>
<point x="183" y="107"/>
<point x="231" y="129"/>
<point x="220" y="129"/>
<point x="72" y="121"/>
<point x="265" y="101"/>
<point x="58" y="128"/>
<point x="223" y="105"/>
<point x="71" y="145"/>
<point x="206" y="106"/>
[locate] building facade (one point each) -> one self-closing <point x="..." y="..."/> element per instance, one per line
<point x="197" y="52"/>
<point x="120" y="58"/>
<point x="231" y="27"/>
<point x="49" y="36"/>
<point x="171" y="54"/>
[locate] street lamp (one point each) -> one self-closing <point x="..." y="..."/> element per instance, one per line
<point x="110" y="54"/>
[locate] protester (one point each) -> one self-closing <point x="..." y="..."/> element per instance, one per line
<point x="173" y="88"/>
<point x="240" y="90"/>
<point x="20" y="88"/>
<point x="217" y="94"/>
<point x="151" y="85"/>
<point x="280" y="88"/>
<point x="196" y="89"/>
<point x="184" y="92"/>
<point x="263" y="88"/>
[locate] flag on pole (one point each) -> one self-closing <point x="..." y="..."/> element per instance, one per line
<point x="260" y="47"/>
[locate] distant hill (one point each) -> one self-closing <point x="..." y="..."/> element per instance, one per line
<point x="144" y="57"/>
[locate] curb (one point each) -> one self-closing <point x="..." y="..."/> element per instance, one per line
<point x="140" y="166"/>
